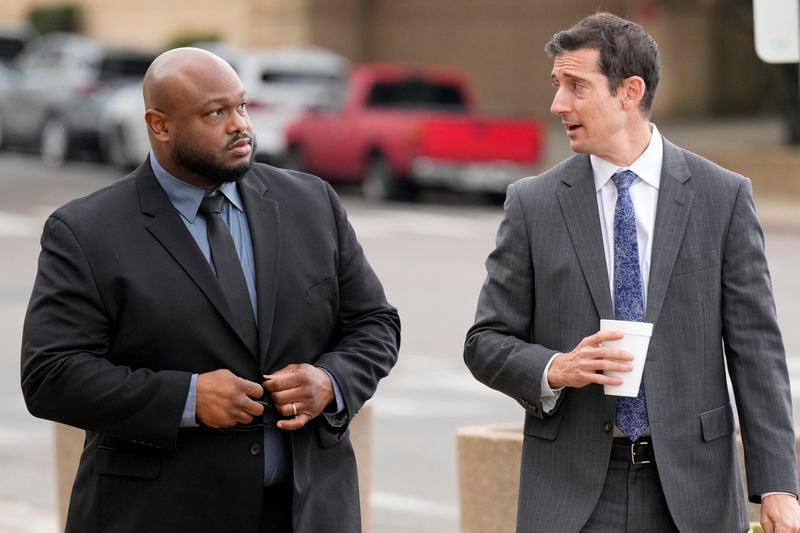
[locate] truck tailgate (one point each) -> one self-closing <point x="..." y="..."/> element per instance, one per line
<point x="474" y="139"/>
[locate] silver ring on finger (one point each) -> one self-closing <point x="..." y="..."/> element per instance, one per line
<point x="294" y="409"/>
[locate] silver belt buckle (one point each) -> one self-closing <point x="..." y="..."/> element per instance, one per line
<point x="634" y="460"/>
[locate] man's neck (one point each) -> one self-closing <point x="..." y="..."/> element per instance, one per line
<point x="182" y="174"/>
<point x="634" y="142"/>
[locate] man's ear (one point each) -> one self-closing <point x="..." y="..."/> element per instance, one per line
<point x="632" y="89"/>
<point x="157" y="124"/>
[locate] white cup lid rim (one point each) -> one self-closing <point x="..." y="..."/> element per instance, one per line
<point x="627" y="327"/>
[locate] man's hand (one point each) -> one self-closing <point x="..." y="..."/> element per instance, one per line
<point x="300" y="391"/>
<point x="780" y="513"/>
<point x="583" y="365"/>
<point x="224" y="399"/>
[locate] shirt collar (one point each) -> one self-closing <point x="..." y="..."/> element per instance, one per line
<point x="186" y="197"/>
<point x="647" y="166"/>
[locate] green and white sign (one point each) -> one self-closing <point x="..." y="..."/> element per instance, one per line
<point x="777" y="30"/>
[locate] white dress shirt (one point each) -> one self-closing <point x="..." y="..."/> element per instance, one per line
<point x="644" y="194"/>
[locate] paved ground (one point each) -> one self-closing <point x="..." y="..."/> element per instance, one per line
<point x="430" y="257"/>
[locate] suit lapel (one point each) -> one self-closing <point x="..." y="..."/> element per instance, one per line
<point x="672" y="215"/>
<point x="169" y="230"/>
<point x="578" y="202"/>
<point x="263" y="218"/>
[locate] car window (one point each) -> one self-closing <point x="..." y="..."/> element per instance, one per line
<point x="124" y="67"/>
<point x="289" y="76"/>
<point x="416" y="94"/>
<point x="10" y="47"/>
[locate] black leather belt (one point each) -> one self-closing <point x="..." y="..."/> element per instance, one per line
<point x="639" y="452"/>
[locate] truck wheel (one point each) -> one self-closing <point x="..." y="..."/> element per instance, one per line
<point x="54" y="147"/>
<point x="380" y="183"/>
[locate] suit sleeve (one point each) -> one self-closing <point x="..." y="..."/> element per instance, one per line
<point x="66" y="373"/>
<point x="498" y="349"/>
<point x="755" y="355"/>
<point x="368" y="332"/>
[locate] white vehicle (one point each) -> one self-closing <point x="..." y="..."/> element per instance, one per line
<point x="281" y="83"/>
<point x="123" y="134"/>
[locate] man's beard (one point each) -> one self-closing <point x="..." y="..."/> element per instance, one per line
<point x="203" y="164"/>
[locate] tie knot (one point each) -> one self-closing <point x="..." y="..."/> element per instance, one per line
<point x="211" y="205"/>
<point x="623" y="179"/>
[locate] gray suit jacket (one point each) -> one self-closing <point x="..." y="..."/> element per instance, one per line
<point x="547" y="288"/>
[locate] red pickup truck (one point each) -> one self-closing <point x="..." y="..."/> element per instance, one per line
<point x="393" y="129"/>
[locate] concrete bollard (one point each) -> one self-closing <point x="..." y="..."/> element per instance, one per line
<point x="361" y="437"/>
<point x="488" y="478"/>
<point x="69" y="445"/>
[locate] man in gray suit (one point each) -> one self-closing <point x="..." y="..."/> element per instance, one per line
<point x="633" y="227"/>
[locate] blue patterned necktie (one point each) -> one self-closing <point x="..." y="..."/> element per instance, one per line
<point x="631" y="416"/>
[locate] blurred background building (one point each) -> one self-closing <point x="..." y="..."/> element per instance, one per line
<point x="707" y="45"/>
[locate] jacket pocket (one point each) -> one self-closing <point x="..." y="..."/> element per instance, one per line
<point x="717" y="422"/>
<point x="543" y="428"/>
<point x="696" y="262"/>
<point x="324" y="289"/>
<point x="124" y="463"/>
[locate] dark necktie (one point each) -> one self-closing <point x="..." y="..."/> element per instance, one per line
<point x="631" y="416"/>
<point x="229" y="269"/>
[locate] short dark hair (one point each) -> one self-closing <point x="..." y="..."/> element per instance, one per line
<point x="625" y="50"/>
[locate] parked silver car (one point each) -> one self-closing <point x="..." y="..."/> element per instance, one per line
<point x="281" y="83"/>
<point x="58" y="87"/>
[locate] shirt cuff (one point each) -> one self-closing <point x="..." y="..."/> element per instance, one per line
<point x="189" y="417"/>
<point x="337" y="393"/>
<point x="771" y="493"/>
<point x="549" y="396"/>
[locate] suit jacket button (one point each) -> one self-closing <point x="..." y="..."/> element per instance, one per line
<point x="607" y="427"/>
<point x="255" y="449"/>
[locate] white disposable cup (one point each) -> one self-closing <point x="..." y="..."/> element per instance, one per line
<point x="635" y="341"/>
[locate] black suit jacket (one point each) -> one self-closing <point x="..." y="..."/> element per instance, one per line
<point x="125" y="308"/>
